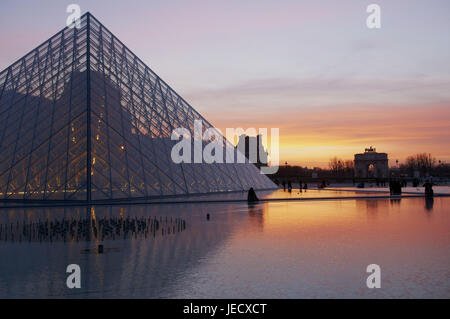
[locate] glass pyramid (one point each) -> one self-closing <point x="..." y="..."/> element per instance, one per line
<point x="84" y="119"/>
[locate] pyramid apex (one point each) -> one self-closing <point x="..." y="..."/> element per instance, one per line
<point x="88" y="14"/>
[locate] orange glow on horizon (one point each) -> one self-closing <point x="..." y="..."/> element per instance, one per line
<point x="312" y="138"/>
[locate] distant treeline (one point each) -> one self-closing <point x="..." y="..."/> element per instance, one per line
<point x="423" y="163"/>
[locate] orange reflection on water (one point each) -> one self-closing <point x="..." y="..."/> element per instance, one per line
<point x="371" y="220"/>
<point x="322" y="248"/>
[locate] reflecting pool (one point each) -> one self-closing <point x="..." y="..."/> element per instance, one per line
<point x="295" y="249"/>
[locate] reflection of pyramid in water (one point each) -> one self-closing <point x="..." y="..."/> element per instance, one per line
<point x="58" y="122"/>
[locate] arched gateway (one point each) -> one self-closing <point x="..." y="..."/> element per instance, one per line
<point x="371" y="164"/>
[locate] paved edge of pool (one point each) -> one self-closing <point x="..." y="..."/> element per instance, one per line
<point x="261" y="200"/>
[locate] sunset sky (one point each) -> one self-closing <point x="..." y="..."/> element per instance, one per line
<point x="311" y="68"/>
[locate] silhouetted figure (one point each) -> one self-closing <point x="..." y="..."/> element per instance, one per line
<point x="305" y="186"/>
<point x="100" y="249"/>
<point x="251" y="198"/>
<point x="428" y="189"/>
<point x="284" y="185"/>
<point x="361" y="185"/>
<point x="415" y="182"/>
<point x="395" y="187"/>
<point x="289" y="186"/>
<point x="207" y="216"/>
<point x="300" y="184"/>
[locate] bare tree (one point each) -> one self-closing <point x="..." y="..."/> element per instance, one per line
<point x="337" y="166"/>
<point x="349" y="166"/>
<point x="424" y="162"/>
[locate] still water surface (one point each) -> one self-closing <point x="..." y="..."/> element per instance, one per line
<point x="304" y="249"/>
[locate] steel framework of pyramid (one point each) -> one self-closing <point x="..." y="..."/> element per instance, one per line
<point x="83" y="119"/>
